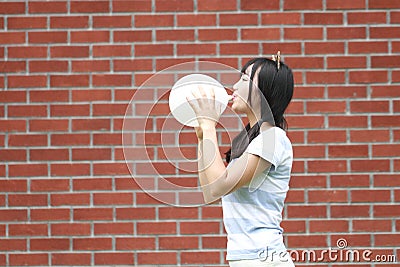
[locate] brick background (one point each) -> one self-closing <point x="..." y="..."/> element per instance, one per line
<point x="69" y="68"/>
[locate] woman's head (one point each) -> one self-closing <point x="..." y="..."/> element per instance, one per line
<point x="265" y="89"/>
<point x="275" y="86"/>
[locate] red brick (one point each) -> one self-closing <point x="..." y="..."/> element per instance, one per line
<point x="238" y="48"/>
<point x="113" y="199"/>
<point x="351" y="180"/>
<point x="179" y="35"/>
<point x="48" y="7"/>
<point x="70" y="199"/>
<point x="372" y="225"/>
<point x="92" y="184"/>
<point x="72" y="80"/>
<point x="156" y="258"/>
<point x="129" y="6"/>
<point x="347" y="62"/>
<point x="132" y="36"/>
<point x="370" y="165"/>
<point x="13" y="185"/>
<point x="44" y="125"/>
<point x="278" y="18"/>
<point x="66" y="169"/>
<point x="155" y="228"/>
<point x="27" y="170"/>
<point x="259" y="5"/>
<point x="318" y="196"/>
<point x="370" y="196"/>
<point x="27" y="230"/>
<point x="19" y="81"/>
<point x="386" y="210"/>
<point x="310" y="211"/>
<point x="90" y="36"/>
<point x="48" y="96"/>
<point x="152" y="21"/>
<point x="26" y="23"/>
<point x="92" y="244"/>
<point x="27" y="111"/>
<point x="118" y="228"/>
<point x="328" y="226"/>
<point x="315" y="33"/>
<point x="189" y="20"/>
<point x="330" y="47"/>
<point x="327" y="136"/>
<point x="211" y="257"/>
<point x="215" y="5"/>
<point x="70" y="139"/>
<point x="348" y="151"/>
<point x="136" y="213"/>
<point x="260" y="34"/>
<point x="30" y="259"/>
<point x="13" y="215"/>
<point x="112" y="21"/>
<point x="47" y="154"/>
<point x="366" y="17"/>
<point x="89" y="214"/>
<point x="323" y="77"/>
<point x="53" y="244"/>
<point x="69" y="51"/>
<point x="309" y="5"/>
<point x="343" y="4"/>
<point x="136" y="243"/>
<point x="50" y="185"/>
<point x="90" y="66"/>
<point x="383" y="4"/>
<point x="384" y="32"/>
<point x="89" y="7"/>
<point x="69" y="22"/>
<point x="48" y="66"/>
<point x="12" y="37"/>
<point x="197" y="49"/>
<point x="47" y="37"/>
<point x="386" y="180"/>
<point x="71" y="258"/>
<point x="12" y="155"/>
<point x="342" y="211"/>
<point x="173" y="5"/>
<point x="12" y="8"/>
<point x="323" y="18"/>
<point x="153" y="50"/>
<point x="347" y="121"/>
<point x="217" y="34"/>
<point x="356" y="47"/>
<point x="50" y="214"/>
<point x="312" y="240"/>
<point x="27" y="52"/>
<point x="327" y="166"/>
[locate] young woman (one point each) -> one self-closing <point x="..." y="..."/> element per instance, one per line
<point x="253" y="186"/>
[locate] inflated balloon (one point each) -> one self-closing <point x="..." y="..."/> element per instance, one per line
<point x="183" y="88"/>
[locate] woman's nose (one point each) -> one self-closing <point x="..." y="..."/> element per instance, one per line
<point x="235" y="86"/>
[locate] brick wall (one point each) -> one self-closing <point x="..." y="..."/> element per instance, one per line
<point x="70" y="68"/>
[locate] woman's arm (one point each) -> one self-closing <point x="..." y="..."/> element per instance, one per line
<point x="215" y="178"/>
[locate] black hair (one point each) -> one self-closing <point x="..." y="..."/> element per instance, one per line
<point x="276" y="85"/>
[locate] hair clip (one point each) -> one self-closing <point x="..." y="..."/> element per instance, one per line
<point x="278" y="59"/>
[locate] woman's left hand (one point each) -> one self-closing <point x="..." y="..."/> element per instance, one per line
<point x="204" y="107"/>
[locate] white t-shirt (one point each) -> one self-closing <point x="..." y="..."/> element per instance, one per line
<point x="253" y="213"/>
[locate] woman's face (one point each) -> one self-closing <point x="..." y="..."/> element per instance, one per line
<point x="241" y="92"/>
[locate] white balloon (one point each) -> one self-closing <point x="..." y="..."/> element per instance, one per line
<point x="180" y="107"/>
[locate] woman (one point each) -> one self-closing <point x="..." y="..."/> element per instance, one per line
<point x="253" y="186"/>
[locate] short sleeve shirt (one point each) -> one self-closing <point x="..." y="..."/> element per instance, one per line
<point x="253" y="213"/>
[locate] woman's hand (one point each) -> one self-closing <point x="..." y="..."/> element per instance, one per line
<point x="204" y="108"/>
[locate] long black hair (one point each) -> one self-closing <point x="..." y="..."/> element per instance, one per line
<point x="276" y="85"/>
